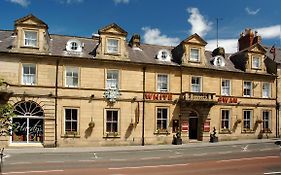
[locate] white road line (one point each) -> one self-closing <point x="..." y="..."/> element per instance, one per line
<point x="55" y="161"/>
<point x="87" y="160"/>
<point x="225" y="152"/>
<point x="265" y="149"/>
<point x="273" y="172"/>
<point x="118" y="160"/>
<point x="28" y="172"/>
<point x="20" y="163"/>
<point x="200" y="154"/>
<point x="173" y="157"/>
<point x="150" y="158"/>
<point x="155" y="166"/>
<point x="250" y="158"/>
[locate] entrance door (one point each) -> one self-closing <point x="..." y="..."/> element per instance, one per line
<point x="193" y="125"/>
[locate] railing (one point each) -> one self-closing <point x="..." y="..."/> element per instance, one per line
<point x="198" y="96"/>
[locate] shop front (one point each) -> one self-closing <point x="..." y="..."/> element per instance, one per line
<point x="28" y="123"/>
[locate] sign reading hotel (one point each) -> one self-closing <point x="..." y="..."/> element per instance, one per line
<point x="227" y="100"/>
<point x="158" y="96"/>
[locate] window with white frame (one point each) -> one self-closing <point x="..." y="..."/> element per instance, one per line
<point x="162" y="119"/>
<point x="30" y="38"/>
<point x="256" y="62"/>
<point x="74" y="46"/>
<point x="266" y="120"/>
<point x="71" y="120"/>
<point x="162" y="83"/>
<point x="247" y="119"/>
<point x="266" y="90"/>
<point x="112" y="46"/>
<point x="225" y="87"/>
<point x="225" y="119"/>
<point x="112" y="79"/>
<point x="71" y="76"/>
<point x="247" y="92"/>
<point x="194" y="55"/>
<point x="111" y="121"/>
<point x="28" y="74"/>
<point x="196" y="84"/>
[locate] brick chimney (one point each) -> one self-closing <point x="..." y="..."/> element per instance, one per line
<point x="135" y="40"/>
<point x="248" y="38"/>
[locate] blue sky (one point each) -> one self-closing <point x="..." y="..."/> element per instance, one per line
<point x="164" y="22"/>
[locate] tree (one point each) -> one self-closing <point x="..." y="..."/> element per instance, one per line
<point x="6" y="111"/>
<point x="6" y="114"/>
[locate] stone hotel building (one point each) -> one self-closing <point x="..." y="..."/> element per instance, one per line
<point x="112" y="90"/>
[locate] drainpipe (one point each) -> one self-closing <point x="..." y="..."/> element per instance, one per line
<point x="180" y="101"/>
<point x="277" y="105"/>
<point x="56" y="103"/>
<point x="143" y="107"/>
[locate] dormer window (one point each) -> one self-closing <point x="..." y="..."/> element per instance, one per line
<point x="164" y="55"/>
<point x="219" y="61"/>
<point x="30" y="38"/>
<point x="194" y="55"/>
<point x="74" y="45"/>
<point x="256" y="62"/>
<point x="112" y="46"/>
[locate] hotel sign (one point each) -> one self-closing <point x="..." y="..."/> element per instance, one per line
<point x="158" y="96"/>
<point x="227" y="100"/>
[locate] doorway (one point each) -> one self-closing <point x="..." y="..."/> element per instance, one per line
<point x="193" y="125"/>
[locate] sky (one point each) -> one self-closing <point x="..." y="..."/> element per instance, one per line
<point x="161" y="22"/>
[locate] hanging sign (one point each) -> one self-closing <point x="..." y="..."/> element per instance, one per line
<point x="206" y="126"/>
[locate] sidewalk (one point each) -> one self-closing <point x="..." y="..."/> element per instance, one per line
<point x="15" y="150"/>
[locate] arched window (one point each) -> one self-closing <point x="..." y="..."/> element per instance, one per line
<point x="28" y="123"/>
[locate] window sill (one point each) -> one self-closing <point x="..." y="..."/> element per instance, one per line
<point x="266" y="131"/>
<point x="225" y="131"/>
<point x="30" y="47"/>
<point x="193" y="61"/>
<point x="161" y="133"/>
<point x="113" y="54"/>
<point x="112" y="135"/>
<point x="70" y="136"/>
<point x="247" y="131"/>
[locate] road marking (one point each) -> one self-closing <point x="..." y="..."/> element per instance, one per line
<point x="155" y="166"/>
<point x="95" y="155"/>
<point x="86" y="160"/>
<point x="200" y="154"/>
<point x="20" y="163"/>
<point x="55" y="161"/>
<point x="242" y="159"/>
<point x="245" y="148"/>
<point x="266" y="149"/>
<point x="178" y="156"/>
<point x="28" y="172"/>
<point x="225" y="152"/>
<point x="272" y="173"/>
<point x="118" y="160"/>
<point x="150" y="158"/>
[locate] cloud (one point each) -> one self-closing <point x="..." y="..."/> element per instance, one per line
<point x="153" y="36"/>
<point x="269" y="32"/>
<point x="198" y="23"/>
<point x="252" y="12"/>
<point x="229" y="45"/>
<point x="23" y="3"/>
<point x="121" y="1"/>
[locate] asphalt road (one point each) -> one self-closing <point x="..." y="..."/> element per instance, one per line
<point x="250" y="159"/>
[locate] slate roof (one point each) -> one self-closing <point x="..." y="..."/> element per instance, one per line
<point x="145" y="54"/>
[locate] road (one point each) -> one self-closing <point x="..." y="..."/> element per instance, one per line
<point x="250" y="159"/>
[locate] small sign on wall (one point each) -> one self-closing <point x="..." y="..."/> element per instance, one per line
<point x="184" y="126"/>
<point x="206" y="126"/>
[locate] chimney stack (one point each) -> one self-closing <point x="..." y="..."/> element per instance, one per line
<point x="135" y="41"/>
<point x="248" y="38"/>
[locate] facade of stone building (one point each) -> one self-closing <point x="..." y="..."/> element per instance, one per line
<point x="103" y="90"/>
